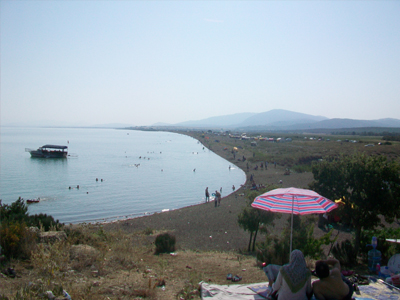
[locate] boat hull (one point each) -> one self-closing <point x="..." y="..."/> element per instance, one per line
<point x="48" y="154"/>
<point x="30" y="201"/>
<point x="49" y="151"/>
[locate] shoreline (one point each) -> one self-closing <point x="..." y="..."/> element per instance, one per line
<point x="114" y="219"/>
<point x="206" y="227"/>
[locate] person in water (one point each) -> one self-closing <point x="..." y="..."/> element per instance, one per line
<point x="207" y="195"/>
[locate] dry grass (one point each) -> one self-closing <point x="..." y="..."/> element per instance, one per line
<point x="127" y="269"/>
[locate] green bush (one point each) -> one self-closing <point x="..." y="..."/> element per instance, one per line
<point x="165" y="243"/>
<point x="273" y="251"/>
<point x="345" y="253"/>
<point x="43" y="220"/>
<point x="276" y="249"/>
<point x="387" y="249"/>
<point x="18" y="212"/>
<point x="17" y="241"/>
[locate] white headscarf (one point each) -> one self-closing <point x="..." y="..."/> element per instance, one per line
<point x="295" y="272"/>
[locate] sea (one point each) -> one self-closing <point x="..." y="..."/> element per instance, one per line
<point x="110" y="174"/>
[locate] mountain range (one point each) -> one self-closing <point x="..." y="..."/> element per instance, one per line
<point x="280" y="119"/>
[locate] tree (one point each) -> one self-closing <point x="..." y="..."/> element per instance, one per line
<point x="251" y="218"/>
<point x="369" y="185"/>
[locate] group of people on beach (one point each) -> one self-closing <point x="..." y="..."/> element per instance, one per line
<point x="217" y="197"/>
<point x="293" y="280"/>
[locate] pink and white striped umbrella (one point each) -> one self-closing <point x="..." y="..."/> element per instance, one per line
<point x="293" y="201"/>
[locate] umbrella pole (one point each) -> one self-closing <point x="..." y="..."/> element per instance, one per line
<point x="291" y="230"/>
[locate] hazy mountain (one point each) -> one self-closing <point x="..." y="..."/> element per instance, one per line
<point x="280" y="119"/>
<point x="389" y="122"/>
<point x="221" y="121"/>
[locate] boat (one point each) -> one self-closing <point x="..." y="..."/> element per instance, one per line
<point x="49" y="151"/>
<point x="29" y="201"/>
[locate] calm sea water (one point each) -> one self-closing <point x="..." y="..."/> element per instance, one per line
<point x="142" y="172"/>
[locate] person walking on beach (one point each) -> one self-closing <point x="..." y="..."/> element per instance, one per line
<point x="217" y="198"/>
<point x="207" y="195"/>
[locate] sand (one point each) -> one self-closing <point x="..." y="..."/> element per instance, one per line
<point x="206" y="227"/>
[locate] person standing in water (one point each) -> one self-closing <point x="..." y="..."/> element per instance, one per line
<point x="207" y="195"/>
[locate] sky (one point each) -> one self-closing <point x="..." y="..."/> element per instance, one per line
<point x="144" y="62"/>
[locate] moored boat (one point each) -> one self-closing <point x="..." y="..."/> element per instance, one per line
<point x="49" y="151"/>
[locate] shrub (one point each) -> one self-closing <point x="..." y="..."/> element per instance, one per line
<point x="276" y="249"/>
<point x="345" y="253"/>
<point x="165" y="243"/>
<point x="43" y="220"/>
<point x="273" y="251"/>
<point x="148" y="231"/>
<point x="17" y="211"/>
<point x="50" y="259"/>
<point x="387" y="249"/>
<point x="17" y="241"/>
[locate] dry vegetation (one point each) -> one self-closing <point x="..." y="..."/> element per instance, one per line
<point x="117" y="260"/>
<point x="116" y="265"/>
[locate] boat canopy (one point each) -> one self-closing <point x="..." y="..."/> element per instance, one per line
<point x="55" y="147"/>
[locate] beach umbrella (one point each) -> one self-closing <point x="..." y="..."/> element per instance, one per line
<point x="293" y="201"/>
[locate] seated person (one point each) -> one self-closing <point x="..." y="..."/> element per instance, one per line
<point x="331" y="285"/>
<point x="292" y="281"/>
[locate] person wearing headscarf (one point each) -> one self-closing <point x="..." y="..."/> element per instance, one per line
<point x="294" y="279"/>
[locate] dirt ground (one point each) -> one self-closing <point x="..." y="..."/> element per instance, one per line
<point x="204" y="227"/>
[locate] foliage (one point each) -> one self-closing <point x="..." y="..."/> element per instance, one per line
<point x="18" y="212"/>
<point x="395" y="136"/>
<point x="191" y="288"/>
<point x="148" y="231"/>
<point x="387" y="249"/>
<point x="85" y="235"/>
<point x="17" y="241"/>
<point x="273" y="251"/>
<point x="345" y="253"/>
<point x="370" y="186"/>
<point x="50" y="259"/>
<point x="165" y="243"/>
<point x="13" y="235"/>
<point x="276" y="249"/>
<point x="43" y="220"/>
<point x="251" y="218"/>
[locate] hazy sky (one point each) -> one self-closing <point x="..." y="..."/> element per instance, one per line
<point x="142" y="62"/>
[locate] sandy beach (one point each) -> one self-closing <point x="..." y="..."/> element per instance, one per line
<point x="206" y="227"/>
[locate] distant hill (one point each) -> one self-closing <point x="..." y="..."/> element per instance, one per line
<point x="221" y="121"/>
<point x="280" y="119"/>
